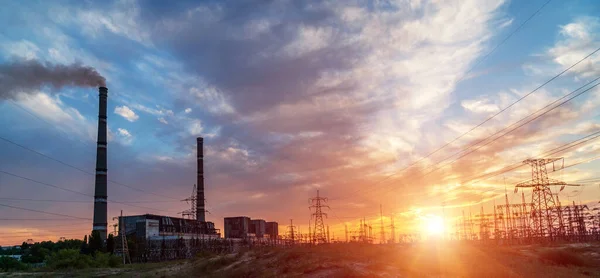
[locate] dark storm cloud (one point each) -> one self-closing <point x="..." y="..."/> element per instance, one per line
<point x="252" y="71"/>
<point x="29" y="75"/>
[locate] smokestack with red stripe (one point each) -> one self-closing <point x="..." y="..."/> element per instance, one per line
<point x="100" y="193"/>
<point x="200" y="210"/>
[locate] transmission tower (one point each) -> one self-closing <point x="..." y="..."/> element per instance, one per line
<point x="319" y="233"/>
<point x="542" y="199"/>
<point x="393" y="235"/>
<point x="346" y="230"/>
<point x="382" y="230"/>
<point x="292" y="232"/>
<point x="193" y="199"/>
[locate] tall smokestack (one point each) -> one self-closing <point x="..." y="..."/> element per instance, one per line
<point x="100" y="195"/>
<point x="200" y="216"/>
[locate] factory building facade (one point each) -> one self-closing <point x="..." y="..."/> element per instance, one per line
<point x="258" y="227"/>
<point x="272" y="229"/>
<point x="160" y="227"/>
<point x="242" y="227"/>
<point x="153" y="227"/>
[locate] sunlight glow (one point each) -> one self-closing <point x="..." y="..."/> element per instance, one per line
<point x="434" y="225"/>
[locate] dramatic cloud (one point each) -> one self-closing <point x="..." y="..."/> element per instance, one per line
<point x="126" y="113"/>
<point x="28" y="76"/>
<point x="353" y="99"/>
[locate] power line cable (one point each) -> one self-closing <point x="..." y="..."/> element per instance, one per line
<point x="40" y="219"/>
<point x="506" y="39"/>
<point x="81" y="170"/>
<point x="480" y="124"/>
<point x="84" y="194"/>
<point x="493" y="116"/>
<point x="526" y="122"/>
<point x="65" y="135"/>
<point x="553" y="151"/>
<point x="511" y="130"/>
<point x="77" y="201"/>
<point x="45" y="212"/>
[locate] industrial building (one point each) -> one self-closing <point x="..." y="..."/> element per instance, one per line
<point x="244" y="228"/>
<point x="272" y="230"/>
<point x="258" y="227"/>
<point x="237" y="227"/>
<point x="152" y="227"/>
<point x="159" y="227"/>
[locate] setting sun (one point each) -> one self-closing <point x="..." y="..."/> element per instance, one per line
<point x="434" y="225"/>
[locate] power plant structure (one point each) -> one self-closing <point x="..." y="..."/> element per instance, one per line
<point x="242" y="227"/>
<point x="162" y="237"/>
<point x="100" y="192"/>
<point x="154" y="234"/>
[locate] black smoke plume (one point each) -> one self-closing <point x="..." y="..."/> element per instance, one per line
<point x="26" y="76"/>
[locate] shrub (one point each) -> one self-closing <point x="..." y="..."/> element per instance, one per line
<point x="69" y="258"/>
<point x="106" y="260"/>
<point x="72" y="258"/>
<point x="562" y="257"/>
<point x="115" y="261"/>
<point x="101" y="260"/>
<point x="9" y="264"/>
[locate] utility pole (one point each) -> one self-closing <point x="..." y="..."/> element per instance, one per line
<point x="393" y="236"/>
<point x="443" y="218"/>
<point x="291" y="232"/>
<point x="346" y="230"/>
<point x="361" y="233"/>
<point x="382" y="230"/>
<point x="464" y="226"/>
<point x="318" y="203"/>
<point x="328" y="234"/>
<point x="310" y="235"/>
<point x="122" y="240"/>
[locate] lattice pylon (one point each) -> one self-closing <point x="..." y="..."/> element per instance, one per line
<point x="319" y="232"/>
<point x="191" y="213"/>
<point x="544" y="222"/>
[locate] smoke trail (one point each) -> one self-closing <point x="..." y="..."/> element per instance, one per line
<point x="26" y="76"/>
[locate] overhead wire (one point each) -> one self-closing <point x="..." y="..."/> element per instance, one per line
<point x="531" y="120"/>
<point x="82" y="170"/>
<point x="76" y="201"/>
<point x="80" y="193"/>
<point x="44" y="212"/>
<point x="490" y="118"/>
<point x="517" y="127"/>
<point x="550" y="152"/>
<point x="499" y="112"/>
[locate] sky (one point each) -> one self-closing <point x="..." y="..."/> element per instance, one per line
<point x="351" y="98"/>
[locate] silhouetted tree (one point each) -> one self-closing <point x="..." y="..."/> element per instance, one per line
<point x="84" y="249"/>
<point x="95" y="242"/>
<point x="110" y="244"/>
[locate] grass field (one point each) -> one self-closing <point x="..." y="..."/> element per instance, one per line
<point x="357" y="260"/>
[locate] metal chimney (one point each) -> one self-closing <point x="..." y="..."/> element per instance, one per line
<point x="100" y="194"/>
<point x="200" y="210"/>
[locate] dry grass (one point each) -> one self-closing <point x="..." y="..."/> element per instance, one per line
<point x="356" y="260"/>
